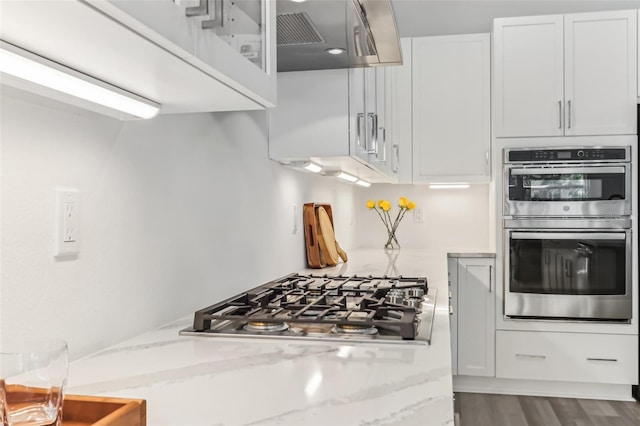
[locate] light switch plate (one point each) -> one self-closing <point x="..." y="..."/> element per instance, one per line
<point x="418" y="216"/>
<point x="67" y="222"/>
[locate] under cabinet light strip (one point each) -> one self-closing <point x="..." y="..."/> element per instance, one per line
<point x="347" y="177"/>
<point x="363" y="183"/>
<point x="36" y="69"/>
<point x="313" y="167"/>
<point x="449" y="185"/>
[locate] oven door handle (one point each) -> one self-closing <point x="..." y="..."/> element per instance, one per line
<point x="567" y="170"/>
<point x="568" y="236"/>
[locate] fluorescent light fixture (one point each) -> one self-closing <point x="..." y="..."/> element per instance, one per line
<point x="307" y="165"/>
<point x="363" y="183"/>
<point x="346" y="176"/>
<point x="25" y="65"/>
<point x="335" y="51"/>
<point x="461" y="185"/>
<point x="313" y="167"/>
<point x="298" y="1"/>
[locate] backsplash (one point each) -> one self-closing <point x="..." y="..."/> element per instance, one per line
<point x="175" y="211"/>
<point x="452" y="219"/>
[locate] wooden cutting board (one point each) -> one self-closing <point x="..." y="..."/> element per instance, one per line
<point x="328" y="245"/>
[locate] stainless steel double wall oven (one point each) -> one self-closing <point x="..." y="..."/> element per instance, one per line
<point x="567" y="233"/>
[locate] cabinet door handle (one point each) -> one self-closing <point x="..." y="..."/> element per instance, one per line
<point x="569" y="113"/>
<point x="559" y="114"/>
<point x="396" y="150"/>
<point x="199" y="10"/>
<point x="359" y="119"/>
<point x="383" y="140"/>
<point x="531" y="356"/>
<point x="602" y="359"/>
<point x="486" y="162"/>
<point x="490" y="280"/>
<point x="218" y="19"/>
<point x="373" y="149"/>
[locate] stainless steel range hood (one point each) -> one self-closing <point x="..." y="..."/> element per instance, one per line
<point x="365" y="29"/>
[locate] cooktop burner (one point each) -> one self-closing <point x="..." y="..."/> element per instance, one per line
<point x="323" y="307"/>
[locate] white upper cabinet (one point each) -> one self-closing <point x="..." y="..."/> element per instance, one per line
<point x="331" y="117"/>
<point x="528" y="76"/>
<point x="217" y="57"/>
<point x="600" y="73"/>
<point x="398" y="117"/>
<point x="565" y="74"/>
<point x="451" y="108"/>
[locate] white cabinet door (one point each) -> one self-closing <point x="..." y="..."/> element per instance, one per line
<point x="600" y="73"/>
<point x="476" y="317"/>
<point x="382" y="157"/>
<point x="399" y="117"/>
<point x="451" y="108"/>
<point x="358" y="119"/>
<point x="528" y="76"/>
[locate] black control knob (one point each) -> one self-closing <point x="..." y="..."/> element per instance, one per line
<point x="580" y="154"/>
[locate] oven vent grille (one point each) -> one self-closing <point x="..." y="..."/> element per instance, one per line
<point x="295" y="29"/>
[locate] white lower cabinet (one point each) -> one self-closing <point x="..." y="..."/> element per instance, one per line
<point x="571" y="357"/>
<point x="472" y="281"/>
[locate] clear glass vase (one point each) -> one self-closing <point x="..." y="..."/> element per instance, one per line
<point x="392" y="242"/>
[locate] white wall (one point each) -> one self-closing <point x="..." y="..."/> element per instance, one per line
<point x="176" y="213"/>
<point x="454" y="219"/>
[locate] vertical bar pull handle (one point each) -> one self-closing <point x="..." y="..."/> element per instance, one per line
<point x="373" y="149"/>
<point x="486" y="162"/>
<point x="218" y="16"/>
<point x="490" y="280"/>
<point x="382" y="131"/>
<point x="396" y="149"/>
<point x="359" y="118"/>
<point x="569" y="114"/>
<point x="559" y="114"/>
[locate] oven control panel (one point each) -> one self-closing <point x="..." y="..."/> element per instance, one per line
<point x="565" y="155"/>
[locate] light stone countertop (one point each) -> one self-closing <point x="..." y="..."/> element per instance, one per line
<point x="189" y="381"/>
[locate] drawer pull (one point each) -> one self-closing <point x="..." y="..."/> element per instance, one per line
<point x="531" y="356"/>
<point x="602" y="359"/>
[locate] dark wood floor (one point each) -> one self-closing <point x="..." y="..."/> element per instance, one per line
<point x="477" y="409"/>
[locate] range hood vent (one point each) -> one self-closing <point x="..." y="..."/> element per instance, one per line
<point x="363" y="30"/>
<point x="296" y="29"/>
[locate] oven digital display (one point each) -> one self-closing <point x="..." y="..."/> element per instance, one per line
<point x="564" y="155"/>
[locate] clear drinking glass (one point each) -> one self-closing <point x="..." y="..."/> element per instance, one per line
<point x="33" y="377"/>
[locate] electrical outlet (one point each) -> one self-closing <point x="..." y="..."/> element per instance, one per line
<point x="67" y="220"/>
<point x="418" y="216"/>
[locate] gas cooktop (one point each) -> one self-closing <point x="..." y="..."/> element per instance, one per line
<point x="353" y="308"/>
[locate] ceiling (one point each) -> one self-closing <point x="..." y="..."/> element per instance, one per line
<point x="416" y="18"/>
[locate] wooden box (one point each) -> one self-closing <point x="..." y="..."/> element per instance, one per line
<point x="83" y="410"/>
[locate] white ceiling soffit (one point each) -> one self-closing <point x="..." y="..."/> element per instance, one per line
<point x="418" y="18"/>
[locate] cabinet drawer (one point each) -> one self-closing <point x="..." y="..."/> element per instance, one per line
<point x="574" y="357"/>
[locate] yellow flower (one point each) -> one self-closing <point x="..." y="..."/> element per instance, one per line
<point x="402" y="202"/>
<point x="371" y="204"/>
<point x="386" y="206"/>
<point x="411" y="205"/>
<point x="380" y="203"/>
